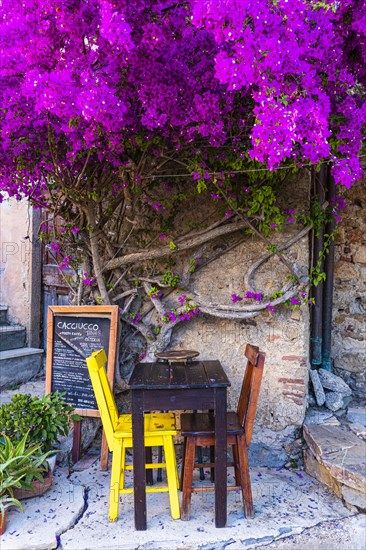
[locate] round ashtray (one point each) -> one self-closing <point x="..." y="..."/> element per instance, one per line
<point x="177" y="356"/>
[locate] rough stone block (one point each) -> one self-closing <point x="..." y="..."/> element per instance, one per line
<point x="334" y="400"/>
<point x="317" y="470"/>
<point x="345" y="272"/>
<point x="357" y="415"/>
<point x="340" y="452"/>
<point x="318" y="388"/>
<point x="333" y="382"/>
<point x="359" y="257"/>
<point x="317" y="416"/>
<point x="352" y="362"/>
<point x="356" y="498"/>
<point x="357" y="429"/>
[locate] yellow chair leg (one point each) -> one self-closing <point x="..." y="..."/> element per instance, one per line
<point x="123" y="466"/>
<point x="171" y="472"/>
<point x="115" y="481"/>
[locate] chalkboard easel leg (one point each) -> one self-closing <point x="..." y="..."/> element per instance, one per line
<point x="104" y="454"/>
<point x="76" y="442"/>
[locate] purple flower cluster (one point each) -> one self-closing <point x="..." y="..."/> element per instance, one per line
<point x="257" y="296"/>
<point x="187" y="315"/>
<point x="88" y="281"/>
<point x="291" y="213"/>
<point x="294" y="117"/>
<point x="65" y="262"/>
<point x="55" y="247"/>
<point x="134" y="318"/>
<point x="337" y="204"/>
<point x="156" y="205"/>
<point x="99" y="75"/>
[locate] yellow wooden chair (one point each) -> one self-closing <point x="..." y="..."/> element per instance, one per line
<point x="159" y="431"/>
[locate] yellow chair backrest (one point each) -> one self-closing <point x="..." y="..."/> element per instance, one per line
<point x="103" y="395"/>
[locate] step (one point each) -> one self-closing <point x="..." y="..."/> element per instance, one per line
<point x="3" y="315"/>
<point x="36" y="387"/>
<point x="337" y="458"/>
<point x="12" y="337"/>
<point x="19" y="365"/>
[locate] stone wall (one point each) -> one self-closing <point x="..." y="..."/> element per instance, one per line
<point x="349" y="311"/>
<point x="20" y="266"/>
<point x="283" y="336"/>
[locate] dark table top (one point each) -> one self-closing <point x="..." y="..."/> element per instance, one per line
<point x="197" y="374"/>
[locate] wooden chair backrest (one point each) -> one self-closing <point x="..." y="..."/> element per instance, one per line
<point x="103" y="394"/>
<point x="248" y="400"/>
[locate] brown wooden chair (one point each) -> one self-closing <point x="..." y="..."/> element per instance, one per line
<point x="198" y="429"/>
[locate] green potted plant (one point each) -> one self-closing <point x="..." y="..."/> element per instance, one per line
<point x="46" y="418"/>
<point x="19" y="462"/>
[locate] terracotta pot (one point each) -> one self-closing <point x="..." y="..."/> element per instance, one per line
<point x="2" y="522"/>
<point x="38" y="488"/>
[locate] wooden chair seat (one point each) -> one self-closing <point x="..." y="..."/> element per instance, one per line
<point x="159" y="431"/>
<point x="194" y="424"/>
<point x="198" y="430"/>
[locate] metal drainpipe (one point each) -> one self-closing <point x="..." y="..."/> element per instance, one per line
<point x="318" y="191"/>
<point x="328" y="286"/>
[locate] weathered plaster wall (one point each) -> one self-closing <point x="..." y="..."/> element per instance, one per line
<point x="20" y="269"/>
<point x="349" y="312"/>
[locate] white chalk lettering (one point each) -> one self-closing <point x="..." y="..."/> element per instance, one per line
<point x="78" y="326"/>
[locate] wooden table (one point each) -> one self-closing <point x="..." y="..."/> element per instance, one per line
<point x="197" y="385"/>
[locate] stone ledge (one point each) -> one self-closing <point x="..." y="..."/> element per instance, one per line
<point x="19" y="365"/>
<point x="19" y="352"/>
<point x="337" y="458"/>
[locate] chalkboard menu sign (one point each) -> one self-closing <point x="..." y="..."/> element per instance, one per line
<point x="73" y="334"/>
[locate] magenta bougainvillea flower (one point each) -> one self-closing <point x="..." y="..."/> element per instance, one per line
<point x="257" y="296"/>
<point x="286" y="76"/>
<point x="88" y="281"/>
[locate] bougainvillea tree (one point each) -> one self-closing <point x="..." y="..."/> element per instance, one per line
<point x="114" y="114"/>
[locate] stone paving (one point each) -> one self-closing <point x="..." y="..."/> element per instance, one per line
<point x="73" y="515"/>
<point x="292" y="509"/>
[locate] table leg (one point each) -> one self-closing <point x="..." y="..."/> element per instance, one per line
<point x="139" y="480"/>
<point x="220" y="458"/>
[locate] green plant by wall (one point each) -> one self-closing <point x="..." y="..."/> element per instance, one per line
<point x="46" y="419"/>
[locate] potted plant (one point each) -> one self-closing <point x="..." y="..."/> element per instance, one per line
<point x="19" y="462"/>
<point x="45" y="419"/>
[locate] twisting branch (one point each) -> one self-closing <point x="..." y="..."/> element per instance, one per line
<point x="243" y="311"/>
<point x="160" y="309"/>
<point x="249" y="224"/>
<point x="186" y="244"/>
<point x="253" y="268"/>
<point x="131" y="292"/>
